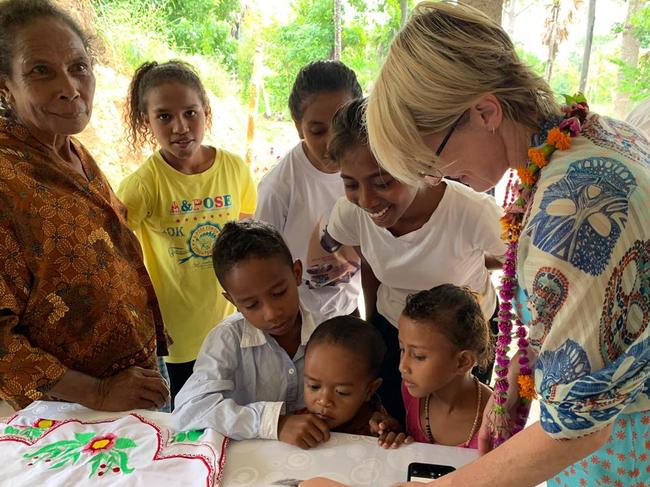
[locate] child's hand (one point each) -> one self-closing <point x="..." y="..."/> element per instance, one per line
<point x="388" y="430"/>
<point x="303" y="430"/>
<point x="392" y="439"/>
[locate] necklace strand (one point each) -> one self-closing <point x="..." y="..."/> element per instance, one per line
<point x="427" y="424"/>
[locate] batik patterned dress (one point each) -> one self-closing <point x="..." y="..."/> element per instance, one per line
<point x="74" y="292"/>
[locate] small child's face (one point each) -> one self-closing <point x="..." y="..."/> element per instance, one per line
<point x="177" y="119"/>
<point x="314" y="126"/>
<point x="428" y="361"/>
<point x="374" y="190"/>
<point x="337" y="383"/>
<point x="265" y="291"/>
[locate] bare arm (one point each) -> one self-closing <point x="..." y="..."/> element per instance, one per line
<point x="493" y="262"/>
<point x="518" y="462"/>
<point x="369" y="284"/>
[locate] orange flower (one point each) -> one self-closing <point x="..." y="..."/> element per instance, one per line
<point x="537" y="157"/>
<point x="526" y="387"/>
<point x="525" y="175"/>
<point x="561" y="140"/>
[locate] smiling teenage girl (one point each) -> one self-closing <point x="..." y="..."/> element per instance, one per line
<point x="412" y="238"/>
<point x="178" y="201"/>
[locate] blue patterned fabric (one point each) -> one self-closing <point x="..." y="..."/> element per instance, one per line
<point x="584" y="267"/>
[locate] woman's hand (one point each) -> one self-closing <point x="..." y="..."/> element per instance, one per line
<point x="133" y="388"/>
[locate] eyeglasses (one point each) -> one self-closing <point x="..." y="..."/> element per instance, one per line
<point x="442" y="145"/>
<point x="433" y="178"/>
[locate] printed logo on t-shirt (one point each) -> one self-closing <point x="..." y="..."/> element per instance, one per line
<point x="327" y="264"/>
<point x="199" y="245"/>
<point x="196" y="205"/>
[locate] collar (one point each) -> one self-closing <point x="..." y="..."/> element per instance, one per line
<point x="254" y="337"/>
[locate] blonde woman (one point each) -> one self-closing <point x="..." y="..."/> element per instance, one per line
<point x="453" y="99"/>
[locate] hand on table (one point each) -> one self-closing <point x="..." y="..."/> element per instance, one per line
<point x="388" y="431"/>
<point x="303" y="430"/>
<point x="133" y="388"/>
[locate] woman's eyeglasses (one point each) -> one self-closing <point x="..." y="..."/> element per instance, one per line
<point x="435" y="176"/>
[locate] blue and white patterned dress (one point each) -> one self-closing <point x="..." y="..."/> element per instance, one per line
<point x="584" y="263"/>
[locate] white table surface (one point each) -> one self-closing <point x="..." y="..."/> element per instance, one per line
<point x="350" y="459"/>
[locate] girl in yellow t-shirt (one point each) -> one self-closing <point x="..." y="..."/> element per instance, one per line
<point x="178" y="201"/>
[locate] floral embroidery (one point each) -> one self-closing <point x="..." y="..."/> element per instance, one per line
<point x="103" y="454"/>
<point x="188" y="435"/>
<point x="33" y="432"/>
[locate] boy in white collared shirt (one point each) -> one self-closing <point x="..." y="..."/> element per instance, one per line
<point x="248" y="377"/>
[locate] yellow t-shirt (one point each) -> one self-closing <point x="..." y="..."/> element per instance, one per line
<point x="177" y="218"/>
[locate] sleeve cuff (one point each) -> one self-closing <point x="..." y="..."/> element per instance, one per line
<point x="269" y="421"/>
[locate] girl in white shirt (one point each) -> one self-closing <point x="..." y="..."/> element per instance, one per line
<point x="298" y="194"/>
<point x="410" y="239"/>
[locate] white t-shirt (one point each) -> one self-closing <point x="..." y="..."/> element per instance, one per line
<point x="449" y="248"/>
<point x="297" y="199"/>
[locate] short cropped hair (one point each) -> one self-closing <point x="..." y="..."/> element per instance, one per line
<point x="354" y="335"/>
<point x="243" y="240"/>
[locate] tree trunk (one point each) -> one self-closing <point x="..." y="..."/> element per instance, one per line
<point x="337" y="30"/>
<point x="587" y="53"/>
<point x="493" y="8"/>
<point x="404" y="9"/>
<point x="630" y="56"/>
<point x="553" y="42"/>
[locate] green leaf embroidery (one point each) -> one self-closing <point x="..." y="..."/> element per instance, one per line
<point x="122" y="443"/>
<point x="64" y="452"/>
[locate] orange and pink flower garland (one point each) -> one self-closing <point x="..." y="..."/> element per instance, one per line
<point x="516" y="204"/>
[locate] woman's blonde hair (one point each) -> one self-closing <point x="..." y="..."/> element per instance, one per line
<point x="445" y="57"/>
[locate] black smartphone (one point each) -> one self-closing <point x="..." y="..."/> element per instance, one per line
<point x="424" y="472"/>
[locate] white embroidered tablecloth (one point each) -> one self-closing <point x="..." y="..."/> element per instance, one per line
<point x="353" y="460"/>
<point x="67" y="445"/>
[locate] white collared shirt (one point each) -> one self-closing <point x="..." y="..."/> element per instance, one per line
<point x="242" y="381"/>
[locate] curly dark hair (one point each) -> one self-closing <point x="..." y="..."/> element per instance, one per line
<point x="355" y="335"/>
<point x="317" y="77"/>
<point x="242" y="240"/>
<point x="15" y="14"/>
<point x="147" y="76"/>
<point x="455" y="312"/>
<point x="348" y="129"/>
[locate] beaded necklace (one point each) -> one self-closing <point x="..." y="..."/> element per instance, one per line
<point x="477" y="417"/>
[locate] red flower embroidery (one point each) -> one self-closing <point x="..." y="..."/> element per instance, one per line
<point x="100" y="443"/>
<point x="44" y="423"/>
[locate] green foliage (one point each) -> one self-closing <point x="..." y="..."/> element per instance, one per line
<point x="641" y="26"/>
<point x="635" y="80"/>
<point x="287" y="48"/>
<point x="139" y="31"/>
